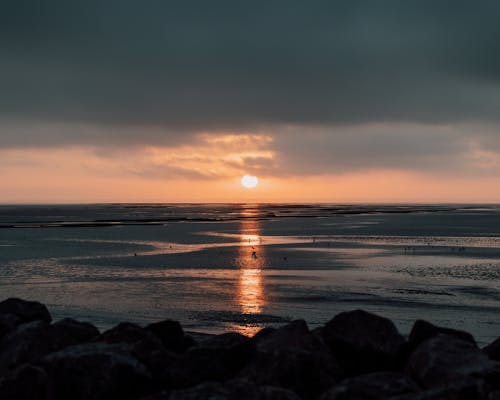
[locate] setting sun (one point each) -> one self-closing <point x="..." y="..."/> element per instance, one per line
<point x="249" y="181"/>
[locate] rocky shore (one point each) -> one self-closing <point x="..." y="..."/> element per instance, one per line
<point x="356" y="355"/>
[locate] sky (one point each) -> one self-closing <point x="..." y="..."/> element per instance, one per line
<point x="324" y="101"/>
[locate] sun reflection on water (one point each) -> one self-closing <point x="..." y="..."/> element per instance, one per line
<point x="250" y="294"/>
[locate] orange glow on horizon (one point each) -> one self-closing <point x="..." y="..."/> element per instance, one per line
<point x="82" y="175"/>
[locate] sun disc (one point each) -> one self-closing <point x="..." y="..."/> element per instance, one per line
<point x="249" y="181"/>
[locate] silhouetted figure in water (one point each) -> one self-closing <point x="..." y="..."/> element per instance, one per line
<point x="254" y="254"/>
<point x="285" y="258"/>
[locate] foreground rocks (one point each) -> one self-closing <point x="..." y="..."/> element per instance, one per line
<point x="356" y="355"/>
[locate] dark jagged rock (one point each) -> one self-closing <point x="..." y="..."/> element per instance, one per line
<point x="70" y="359"/>
<point x="224" y="340"/>
<point x="216" y="361"/>
<point x="446" y="360"/>
<point x="373" y="386"/>
<point x="363" y="342"/>
<point x="26" y="311"/>
<point x="423" y="330"/>
<point x="8" y="323"/>
<point x="35" y="339"/>
<point x="126" y="332"/>
<point x="239" y="389"/>
<point x="292" y="357"/>
<point x="75" y="331"/>
<point x="494" y="395"/>
<point x="143" y="345"/>
<point x="25" y="383"/>
<point x="471" y="390"/>
<point x="307" y="374"/>
<point x="296" y="334"/>
<point x="95" y="371"/>
<point x="171" y="335"/>
<point x="493" y="350"/>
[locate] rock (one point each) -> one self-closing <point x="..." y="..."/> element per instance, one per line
<point x="74" y="331"/>
<point x="291" y="357"/>
<point x="143" y="345"/>
<point x="95" y="371"/>
<point x="26" y="311"/>
<point x="423" y="330"/>
<point x="8" y="323"/>
<point x="493" y="350"/>
<point x="373" y="386"/>
<point x="126" y="332"/>
<point x="364" y="342"/>
<point x="239" y="389"/>
<point x="35" y="339"/>
<point x="216" y="361"/>
<point x="224" y="340"/>
<point x="459" y="391"/>
<point x="446" y="360"/>
<point x="494" y="395"/>
<point x="26" y="382"/>
<point x="296" y="334"/>
<point x="171" y="335"/>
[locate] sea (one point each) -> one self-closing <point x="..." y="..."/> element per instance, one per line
<point x="241" y="267"/>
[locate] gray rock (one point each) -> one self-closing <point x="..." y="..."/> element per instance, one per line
<point x="494" y="395"/>
<point x="295" y="335"/>
<point x="216" y="361"/>
<point x="493" y="350"/>
<point x="224" y="340"/>
<point x="26" y="311"/>
<point x="293" y="358"/>
<point x="143" y="345"/>
<point x="446" y="360"/>
<point x="35" y="339"/>
<point x="471" y="390"/>
<point x="8" y="323"/>
<point x="25" y="383"/>
<point x="171" y="335"/>
<point x="239" y="389"/>
<point x="423" y="330"/>
<point x="364" y="342"/>
<point x="373" y="386"/>
<point x="95" y="371"/>
<point x="75" y="331"/>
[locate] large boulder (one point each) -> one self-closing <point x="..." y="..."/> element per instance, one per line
<point x="224" y="340"/>
<point x="73" y="331"/>
<point x="423" y="330"/>
<point x="8" y="323"/>
<point x="363" y="342"/>
<point x="171" y="335"/>
<point x="236" y="389"/>
<point x="493" y="350"/>
<point x="26" y="311"/>
<point x="26" y="382"/>
<point x="95" y="371"/>
<point x="295" y="335"/>
<point x="446" y="361"/>
<point x="291" y="357"/>
<point x="471" y="390"/>
<point x="143" y="345"/>
<point x="35" y="339"/>
<point x="373" y="386"/>
<point x="218" y="359"/>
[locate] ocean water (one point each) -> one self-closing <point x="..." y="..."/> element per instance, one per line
<point x="240" y="267"/>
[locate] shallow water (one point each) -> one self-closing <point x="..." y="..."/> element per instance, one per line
<point x="241" y="267"/>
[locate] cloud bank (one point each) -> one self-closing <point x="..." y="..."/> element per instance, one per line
<point x="338" y="86"/>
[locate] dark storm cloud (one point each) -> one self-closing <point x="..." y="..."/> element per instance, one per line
<point x="156" y="72"/>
